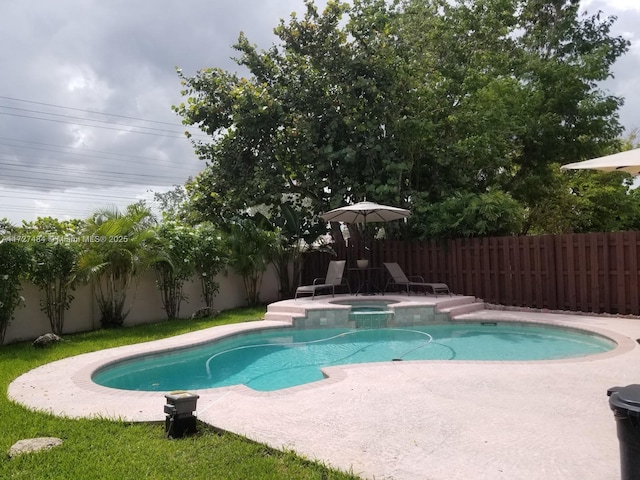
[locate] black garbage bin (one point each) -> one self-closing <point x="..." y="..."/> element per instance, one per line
<point x="625" y="403"/>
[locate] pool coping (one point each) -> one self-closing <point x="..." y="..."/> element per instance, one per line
<point x="65" y="388"/>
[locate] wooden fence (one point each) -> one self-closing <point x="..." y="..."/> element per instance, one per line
<point x="596" y="272"/>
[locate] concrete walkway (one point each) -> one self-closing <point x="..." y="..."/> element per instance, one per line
<point x="439" y="420"/>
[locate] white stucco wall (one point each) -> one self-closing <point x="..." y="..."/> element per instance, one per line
<point x="144" y="301"/>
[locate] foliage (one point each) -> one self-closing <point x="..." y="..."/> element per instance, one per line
<point x="600" y="202"/>
<point x="174" y="264"/>
<point x="54" y="249"/>
<point x="295" y="234"/>
<point x="14" y="264"/>
<point x="209" y="257"/>
<point x="6" y="227"/>
<point x="250" y="249"/>
<point x="174" y="204"/>
<point x="412" y="103"/>
<point x="119" y="247"/>
<point x="53" y="272"/>
<point x="465" y="215"/>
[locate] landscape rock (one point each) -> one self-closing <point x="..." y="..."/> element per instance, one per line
<point x="46" y="340"/>
<point x="33" y="445"/>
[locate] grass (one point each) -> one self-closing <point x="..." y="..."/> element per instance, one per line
<point x="106" y="449"/>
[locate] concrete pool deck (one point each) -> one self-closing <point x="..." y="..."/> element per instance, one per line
<point x="439" y="420"/>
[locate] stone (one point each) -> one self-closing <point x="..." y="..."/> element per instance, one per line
<point x="46" y="340"/>
<point x="204" y="313"/>
<point x="33" y="445"/>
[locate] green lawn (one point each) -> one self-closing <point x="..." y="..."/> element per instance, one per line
<point x="105" y="449"/>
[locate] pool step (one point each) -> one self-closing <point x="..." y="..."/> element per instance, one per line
<point x="291" y="310"/>
<point x="285" y="313"/>
<point x="461" y="306"/>
<point x="279" y="317"/>
<point x="283" y="316"/>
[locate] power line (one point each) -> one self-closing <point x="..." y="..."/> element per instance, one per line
<point x="167" y="164"/>
<point x="70" y="148"/>
<point x="89" y="111"/>
<point x="91" y="120"/>
<point x="89" y="125"/>
<point x="88" y="196"/>
<point x="60" y="171"/>
<point x="28" y="188"/>
<point x="80" y="200"/>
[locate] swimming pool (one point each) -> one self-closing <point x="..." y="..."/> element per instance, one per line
<point x="282" y="358"/>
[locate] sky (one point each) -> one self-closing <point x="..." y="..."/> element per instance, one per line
<point x="87" y="87"/>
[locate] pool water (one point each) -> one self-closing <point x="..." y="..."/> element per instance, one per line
<point x="282" y="358"/>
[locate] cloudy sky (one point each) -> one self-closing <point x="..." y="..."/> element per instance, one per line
<point x="87" y="87"/>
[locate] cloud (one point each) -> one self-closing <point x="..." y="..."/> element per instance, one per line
<point x="618" y="5"/>
<point x="66" y="63"/>
<point x="626" y="71"/>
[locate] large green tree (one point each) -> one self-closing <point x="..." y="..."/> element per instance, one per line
<point x="311" y="122"/>
<point x="413" y="103"/>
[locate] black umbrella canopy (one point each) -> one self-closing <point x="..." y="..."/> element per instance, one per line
<point x="365" y="212"/>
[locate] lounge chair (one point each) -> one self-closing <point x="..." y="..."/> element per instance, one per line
<point x="399" y="279"/>
<point x="335" y="272"/>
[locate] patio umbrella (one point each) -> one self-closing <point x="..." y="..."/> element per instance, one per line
<point x="365" y="212"/>
<point x="628" y="161"/>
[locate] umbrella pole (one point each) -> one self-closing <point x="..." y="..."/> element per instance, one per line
<point x="368" y="256"/>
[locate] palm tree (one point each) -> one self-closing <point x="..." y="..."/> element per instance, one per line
<point x="250" y="252"/>
<point x="119" y="246"/>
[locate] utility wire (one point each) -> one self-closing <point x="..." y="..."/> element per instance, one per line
<point x="70" y="148"/>
<point x="64" y="171"/>
<point x="89" y="111"/>
<point x="89" y="125"/>
<point x="166" y="164"/>
<point x="27" y="192"/>
<point x="71" y="117"/>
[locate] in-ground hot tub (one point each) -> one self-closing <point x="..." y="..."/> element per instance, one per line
<point x="369" y="311"/>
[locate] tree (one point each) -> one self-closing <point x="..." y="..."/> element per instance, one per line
<point x="250" y="250"/>
<point x="54" y="248"/>
<point x="296" y="233"/>
<point x="175" y="204"/>
<point x="174" y="264"/>
<point x="14" y="264"/>
<point x="494" y="213"/>
<point x="412" y="103"/>
<point x="301" y="105"/>
<point x="562" y="60"/>
<point x="119" y="246"/>
<point x="209" y="257"/>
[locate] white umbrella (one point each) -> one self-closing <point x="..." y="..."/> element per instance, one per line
<point x="628" y="161"/>
<point x="365" y="212"/>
